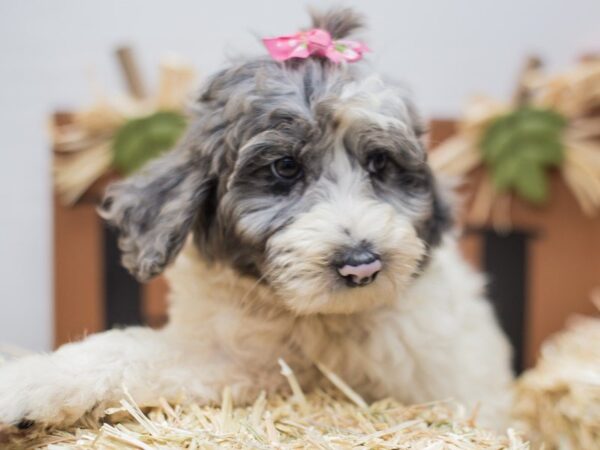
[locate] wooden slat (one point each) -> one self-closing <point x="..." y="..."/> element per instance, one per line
<point x="78" y="290"/>
<point x="154" y="302"/>
<point x="565" y="263"/>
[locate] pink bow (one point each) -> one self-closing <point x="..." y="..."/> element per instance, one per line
<point x="314" y="42"/>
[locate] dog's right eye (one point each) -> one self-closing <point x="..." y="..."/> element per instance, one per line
<point x="377" y="162"/>
<point x="286" y="168"/>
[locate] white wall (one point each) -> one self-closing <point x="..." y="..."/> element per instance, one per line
<point x="444" y="49"/>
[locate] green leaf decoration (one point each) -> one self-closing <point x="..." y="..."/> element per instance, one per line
<point x="140" y="140"/>
<point x="531" y="183"/>
<point x="520" y="147"/>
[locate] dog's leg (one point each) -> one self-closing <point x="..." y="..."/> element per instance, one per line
<point x="88" y="376"/>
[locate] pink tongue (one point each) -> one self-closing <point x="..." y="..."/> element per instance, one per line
<point x="361" y="271"/>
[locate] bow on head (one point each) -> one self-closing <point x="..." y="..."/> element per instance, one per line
<point x="314" y="42"/>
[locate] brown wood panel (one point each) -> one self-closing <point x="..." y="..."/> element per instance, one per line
<point x="471" y="246"/>
<point x="154" y="302"/>
<point x="78" y="291"/>
<point x="78" y="262"/>
<point x="565" y="263"/>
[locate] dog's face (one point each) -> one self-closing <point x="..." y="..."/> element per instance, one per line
<point x="307" y="176"/>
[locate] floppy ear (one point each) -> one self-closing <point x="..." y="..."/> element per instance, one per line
<point x="155" y="209"/>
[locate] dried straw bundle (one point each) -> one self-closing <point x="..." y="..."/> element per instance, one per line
<point x="322" y="419"/>
<point x="575" y="95"/>
<point x="559" y="400"/>
<point x="83" y="146"/>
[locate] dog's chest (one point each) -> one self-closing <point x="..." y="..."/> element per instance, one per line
<point x="369" y="352"/>
<point x="379" y="353"/>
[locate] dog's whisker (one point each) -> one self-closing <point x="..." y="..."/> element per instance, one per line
<point x="255" y="285"/>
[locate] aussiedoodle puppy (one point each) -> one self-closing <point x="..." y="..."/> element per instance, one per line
<point x="304" y="223"/>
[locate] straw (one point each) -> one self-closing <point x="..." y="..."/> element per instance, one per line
<point x="558" y="401"/>
<point x="323" y="419"/>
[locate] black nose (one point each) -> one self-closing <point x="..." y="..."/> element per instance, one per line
<point x="359" y="267"/>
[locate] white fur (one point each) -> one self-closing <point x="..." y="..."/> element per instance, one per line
<point x="372" y="100"/>
<point x="437" y="340"/>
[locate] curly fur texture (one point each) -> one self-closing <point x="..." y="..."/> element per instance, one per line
<point x="258" y="280"/>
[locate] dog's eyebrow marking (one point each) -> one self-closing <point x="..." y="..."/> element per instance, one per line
<point x="361" y="140"/>
<point x="271" y="139"/>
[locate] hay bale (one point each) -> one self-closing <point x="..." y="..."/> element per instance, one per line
<point x="558" y="401"/>
<point x="332" y="418"/>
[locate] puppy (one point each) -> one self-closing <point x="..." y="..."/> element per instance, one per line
<point x="309" y="227"/>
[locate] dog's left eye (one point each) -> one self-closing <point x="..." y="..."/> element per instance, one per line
<point x="377" y="162"/>
<point x="287" y="169"/>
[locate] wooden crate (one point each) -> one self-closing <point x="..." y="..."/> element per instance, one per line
<point x="92" y="292"/>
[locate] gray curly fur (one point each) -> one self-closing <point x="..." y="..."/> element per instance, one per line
<point x="340" y="22"/>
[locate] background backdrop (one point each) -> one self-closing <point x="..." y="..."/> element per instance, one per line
<point x="444" y="50"/>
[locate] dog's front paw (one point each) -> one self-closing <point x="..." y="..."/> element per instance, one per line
<point x="37" y="390"/>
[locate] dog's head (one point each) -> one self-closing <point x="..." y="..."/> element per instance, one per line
<point x="307" y="175"/>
